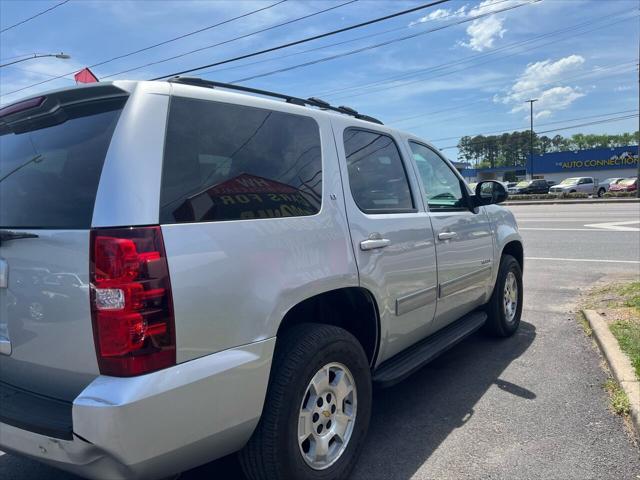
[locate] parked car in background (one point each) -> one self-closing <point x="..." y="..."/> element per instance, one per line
<point x="606" y="184"/>
<point x="625" y="185"/>
<point x="530" y="186"/>
<point x="551" y="183"/>
<point x="240" y="286"/>
<point x="575" y="185"/>
<point x="510" y="184"/>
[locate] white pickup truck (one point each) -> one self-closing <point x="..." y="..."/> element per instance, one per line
<point x="576" y="185"/>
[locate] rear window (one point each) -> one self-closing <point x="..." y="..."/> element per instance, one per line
<point x="232" y="162"/>
<point x="49" y="176"/>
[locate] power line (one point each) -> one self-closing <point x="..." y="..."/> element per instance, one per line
<point x="467" y="103"/>
<point x="381" y="44"/>
<point x="189" y="34"/>
<point x="335" y="44"/>
<point x="305" y="40"/>
<point x="207" y="47"/>
<point x="555" y="82"/>
<point x="164" y="42"/>
<point x="442" y="66"/>
<point x="498" y="132"/>
<point x="34" y="16"/>
<point x="568" y="127"/>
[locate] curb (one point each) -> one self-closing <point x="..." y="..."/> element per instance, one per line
<point x="570" y="202"/>
<point x="618" y="362"/>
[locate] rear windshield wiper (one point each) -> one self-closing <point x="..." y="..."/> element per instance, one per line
<point x="6" y="235"/>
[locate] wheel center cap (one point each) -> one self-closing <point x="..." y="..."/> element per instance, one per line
<point x="326" y="413"/>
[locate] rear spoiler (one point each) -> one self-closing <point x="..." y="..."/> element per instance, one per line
<point x="48" y="110"/>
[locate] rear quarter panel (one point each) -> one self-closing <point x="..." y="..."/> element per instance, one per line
<point x="233" y="281"/>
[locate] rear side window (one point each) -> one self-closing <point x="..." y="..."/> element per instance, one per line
<point x="377" y="176"/>
<point x="49" y="176"/>
<point x="232" y="162"/>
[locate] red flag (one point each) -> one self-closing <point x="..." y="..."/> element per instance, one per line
<point x="85" y="76"/>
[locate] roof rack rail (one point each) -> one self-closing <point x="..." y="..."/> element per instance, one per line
<point x="315" y="102"/>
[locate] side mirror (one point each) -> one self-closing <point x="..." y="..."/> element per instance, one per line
<point x="489" y="192"/>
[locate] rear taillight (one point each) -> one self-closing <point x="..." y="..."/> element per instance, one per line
<point x="131" y="304"/>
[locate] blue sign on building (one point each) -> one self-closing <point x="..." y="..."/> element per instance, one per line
<point x="572" y="162"/>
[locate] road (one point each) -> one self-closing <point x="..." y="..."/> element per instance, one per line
<point x="528" y="407"/>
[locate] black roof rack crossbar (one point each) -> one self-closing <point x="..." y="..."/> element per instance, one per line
<point x="315" y="102"/>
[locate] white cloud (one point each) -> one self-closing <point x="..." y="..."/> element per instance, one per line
<point x="534" y="83"/>
<point x="541" y="114"/>
<point x="440" y="14"/>
<point x="484" y="31"/>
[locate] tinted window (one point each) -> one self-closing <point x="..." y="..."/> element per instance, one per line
<point x="442" y="187"/>
<point x="376" y="173"/>
<point x="49" y="176"/>
<point x="230" y="162"/>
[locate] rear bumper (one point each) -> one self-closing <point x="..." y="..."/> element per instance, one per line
<point x="158" y="424"/>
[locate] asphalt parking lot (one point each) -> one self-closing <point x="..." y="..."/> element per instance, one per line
<point x="528" y="407"/>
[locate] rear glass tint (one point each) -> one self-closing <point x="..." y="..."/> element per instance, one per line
<point x="232" y="162"/>
<point x="49" y="176"/>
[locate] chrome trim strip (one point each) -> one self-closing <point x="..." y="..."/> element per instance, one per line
<point x="415" y="300"/>
<point x="463" y="282"/>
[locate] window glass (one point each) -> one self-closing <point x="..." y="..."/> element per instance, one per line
<point x="442" y="187"/>
<point x="377" y="176"/>
<point x="49" y="174"/>
<point x="231" y="162"/>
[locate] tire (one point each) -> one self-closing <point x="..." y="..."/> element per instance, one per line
<point x="302" y="353"/>
<point x="572" y="191"/>
<point x="499" y="322"/>
<point x="601" y="192"/>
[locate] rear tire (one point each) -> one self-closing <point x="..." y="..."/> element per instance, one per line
<point x="504" y="309"/>
<point x="304" y="399"/>
<point x="601" y="192"/>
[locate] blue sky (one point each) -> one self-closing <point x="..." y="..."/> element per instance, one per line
<point x="468" y="69"/>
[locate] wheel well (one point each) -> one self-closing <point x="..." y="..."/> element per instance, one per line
<point x="352" y="308"/>
<point x="514" y="249"/>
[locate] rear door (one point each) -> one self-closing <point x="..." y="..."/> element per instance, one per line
<point x="391" y="233"/>
<point x="464" y="242"/>
<point x="586" y="185"/>
<point x="51" y="160"/>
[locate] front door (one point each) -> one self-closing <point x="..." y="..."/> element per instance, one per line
<point x="391" y="234"/>
<point x="464" y="242"/>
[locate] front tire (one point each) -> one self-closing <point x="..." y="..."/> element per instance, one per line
<point x="316" y="413"/>
<point x="504" y="309"/>
<point x="601" y="192"/>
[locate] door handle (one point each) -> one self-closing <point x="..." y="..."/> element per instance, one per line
<point x="447" y="235"/>
<point x="373" y="243"/>
<point x="5" y="346"/>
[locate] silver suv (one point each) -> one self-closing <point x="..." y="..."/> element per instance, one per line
<point x="188" y="271"/>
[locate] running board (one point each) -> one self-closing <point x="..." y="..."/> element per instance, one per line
<point x="415" y="357"/>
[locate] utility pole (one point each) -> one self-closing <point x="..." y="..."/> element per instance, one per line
<point x="531" y="138"/>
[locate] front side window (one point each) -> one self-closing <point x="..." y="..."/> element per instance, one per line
<point x="377" y="177"/>
<point x="231" y="162"/>
<point x="442" y="187"/>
